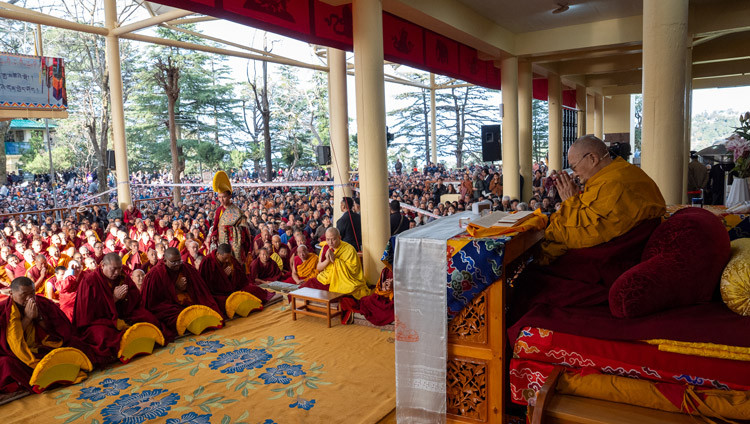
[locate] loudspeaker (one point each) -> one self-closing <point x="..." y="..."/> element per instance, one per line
<point x="323" y="154"/>
<point x="491" y="146"/>
<point x="110" y="159"/>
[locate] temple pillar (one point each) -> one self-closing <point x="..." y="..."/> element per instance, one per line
<point x="581" y="105"/>
<point x="116" y="103"/>
<point x="511" y="175"/>
<point x="665" y="42"/>
<point x="554" y="103"/>
<point x="599" y="115"/>
<point x="339" y="127"/>
<point x="525" y="145"/>
<point x="370" y="94"/>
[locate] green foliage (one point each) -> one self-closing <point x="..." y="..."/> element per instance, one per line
<point x="206" y="110"/>
<point x="37" y="145"/>
<point x="539" y="129"/>
<point x="709" y="127"/>
<point x="638" y="136"/>
<point x="62" y="157"/>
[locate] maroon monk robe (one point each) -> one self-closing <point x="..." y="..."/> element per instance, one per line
<point x="222" y="285"/>
<point x="67" y="292"/>
<point x="268" y="272"/>
<point x="17" y="271"/>
<point x="15" y="374"/>
<point x="377" y="307"/>
<point x="96" y="313"/>
<point x="161" y="298"/>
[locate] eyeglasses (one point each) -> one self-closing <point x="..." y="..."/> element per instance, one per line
<point x="573" y="167"/>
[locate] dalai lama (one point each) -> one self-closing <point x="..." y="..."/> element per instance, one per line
<point x="599" y="232"/>
<point x="224" y="275"/>
<point x="30" y="327"/>
<point x="107" y="303"/>
<point x="616" y="197"/>
<point x="170" y="286"/>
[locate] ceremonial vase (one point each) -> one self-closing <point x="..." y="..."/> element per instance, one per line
<point x="739" y="192"/>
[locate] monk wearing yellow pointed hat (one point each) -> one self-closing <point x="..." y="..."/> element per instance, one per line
<point x="229" y="225"/>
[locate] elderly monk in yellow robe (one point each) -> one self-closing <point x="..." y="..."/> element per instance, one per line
<point x="304" y="265"/>
<point x="616" y="197"/>
<point x="339" y="268"/>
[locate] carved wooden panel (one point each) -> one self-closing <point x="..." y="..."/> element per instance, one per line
<point x="467" y="388"/>
<point x="470" y="325"/>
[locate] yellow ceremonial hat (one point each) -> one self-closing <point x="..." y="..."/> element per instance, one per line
<point x="221" y="182"/>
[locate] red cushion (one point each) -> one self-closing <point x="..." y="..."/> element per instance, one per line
<point x="680" y="266"/>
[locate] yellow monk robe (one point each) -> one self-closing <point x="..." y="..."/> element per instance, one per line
<point x="308" y="268"/>
<point x="614" y="201"/>
<point x="345" y="274"/>
<point x="276" y="258"/>
<point x="4" y="277"/>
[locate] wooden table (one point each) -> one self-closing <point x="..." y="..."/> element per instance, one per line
<point x="319" y="296"/>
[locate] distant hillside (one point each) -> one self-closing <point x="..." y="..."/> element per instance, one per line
<point x="708" y="127"/>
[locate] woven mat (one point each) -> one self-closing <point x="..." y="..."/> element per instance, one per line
<point x="262" y="369"/>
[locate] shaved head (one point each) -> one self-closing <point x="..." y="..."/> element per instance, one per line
<point x="589" y="144"/>
<point x="171" y="252"/>
<point x="111" y="258"/>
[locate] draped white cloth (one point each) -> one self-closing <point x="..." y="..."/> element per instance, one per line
<point x="420" y="284"/>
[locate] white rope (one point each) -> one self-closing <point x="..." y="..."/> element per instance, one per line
<point x="252" y="185"/>
<point x="90" y="198"/>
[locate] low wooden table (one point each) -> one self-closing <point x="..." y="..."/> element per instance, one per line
<point x="320" y="296"/>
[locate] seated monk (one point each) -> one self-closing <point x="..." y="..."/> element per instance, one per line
<point x="378" y="307"/>
<point x="170" y="287"/>
<point x="616" y="197"/>
<point x="30" y="327"/>
<point x="134" y="258"/>
<point x="597" y="234"/>
<point x="225" y="275"/>
<point x="138" y="276"/>
<point x="107" y="303"/>
<point x="15" y="267"/>
<point x="40" y="272"/>
<point x="263" y="270"/>
<point x="339" y="268"/>
<point x="53" y="284"/>
<point x="304" y="266"/>
<point x="68" y="288"/>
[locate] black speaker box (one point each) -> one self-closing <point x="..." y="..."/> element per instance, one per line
<point x="110" y="159"/>
<point x="491" y="146"/>
<point x="323" y="154"/>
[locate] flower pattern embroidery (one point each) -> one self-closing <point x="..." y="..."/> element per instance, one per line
<point x="303" y="404"/>
<point x="191" y="418"/>
<point x="139" y="407"/>
<point x="276" y="375"/>
<point x="240" y="360"/>
<point x="109" y="387"/>
<point x="204" y="347"/>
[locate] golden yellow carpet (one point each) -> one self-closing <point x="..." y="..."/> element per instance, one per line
<point x="265" y="368"/>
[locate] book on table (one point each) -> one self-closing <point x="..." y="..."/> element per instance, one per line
<point x="503" y="219"/>
<point x="280" y="286"/>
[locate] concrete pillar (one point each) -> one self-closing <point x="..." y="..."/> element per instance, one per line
<point x="118" y="112"/>
<point x="688" y="119"/>
<point x="617" y="115"/>
<point x="554" y="93"/>
<point x="665" y="40"/>
<point x="511" y="176"/>
<point x="599" y="115"/>
<point x="590" y="117"/>
<point x="433" y="118"/>
<point x="581" y="105"/>
<point x="370" y="94"/>
<point x="339" y="127"/>
<point x="525" y="145"/>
